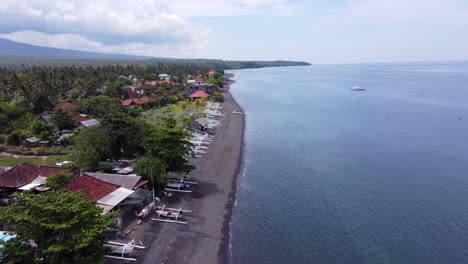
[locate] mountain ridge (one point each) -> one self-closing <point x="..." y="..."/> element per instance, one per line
<point x="15" y="54"/>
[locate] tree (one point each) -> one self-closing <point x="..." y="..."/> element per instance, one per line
<point x="123" y="133"/>
<point x="170" y="146"/>
<point x="91" y="146"/>
<point x="59" y="180"/>
<point x="99" y="105"/>
<point x="42" y="129"/>
<point x="152" y="169"/>
<point x="14" y="139"/>
<point x="63" y="119"/>
<point x="64" y="228"/>
<point x="215" y="82"/>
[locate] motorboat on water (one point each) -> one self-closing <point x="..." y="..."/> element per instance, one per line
<point x="357" y="88"/>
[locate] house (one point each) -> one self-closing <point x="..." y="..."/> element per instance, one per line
<point x="66" y="105"/>
<point x="199" y="94"/>
<point x="164" y="76"/>
<point x="198" y="125"/>
<point x="27" y="176"/>
<point x="106" y="195"/>
<point x="72" y="108"/>
<point x="211" y="73"/>
<point x="31" y="142"/>
<point x="131" y="182"/>
<point x="135" y="101"/>
<point x="87" y="123"/>
<point x="146" y="88"/>
<point x="45" y="116"/>
<point x="190" y="88"/>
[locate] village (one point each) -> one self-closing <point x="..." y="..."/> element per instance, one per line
<point x="92" y="150"/>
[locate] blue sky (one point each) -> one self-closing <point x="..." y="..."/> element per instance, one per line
<point x="317" y="31"/>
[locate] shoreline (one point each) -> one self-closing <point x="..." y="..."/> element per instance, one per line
<point x="224" y="248"/>
<point x="206" y="238"/>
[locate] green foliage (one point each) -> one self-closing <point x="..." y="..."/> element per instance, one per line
<point x="63" y="119"/>
<point x="216" y="83"/>
<point x="152" y="169"/>
<point x="105" y="166"/>
<point x="182" y="113"/>
<point x="99" y="105"/>
<point x="217" y="96"/>
<point x="2" y="139"/>
<point x="170" y="146"/>
<point x="41" y="129"/>
<point x="124" y="134"/>
<point x="14" y="139"/>
<point x="12" y="117"/>
<point x="59" y="180"/>
<point x="200" y="102"/>
<point x="91" y="146"/>
<point x="65" y="228"/>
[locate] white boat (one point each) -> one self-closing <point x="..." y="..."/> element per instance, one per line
<point x="169" y="214"/>
<point x="357" y="88"/>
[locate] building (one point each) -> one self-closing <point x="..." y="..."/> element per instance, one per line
<point x="31" y="142"/>
<point x="198" y="94"/>
<point x="164" y="76"/>
<point x="66" y="105"/>
<point x="131" y="182"/>
<point x="87" y="123"/>
<point x="190" y="88"/>
<point x="198" y="125"/>
<point x="106" y="195"/>
<point x="135" y="101"/>
<point x="26" y="177"/>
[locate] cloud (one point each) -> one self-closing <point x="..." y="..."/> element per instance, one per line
<point x="144" y="27"/>
<point x="79" y="42"/>
<point x="201" y="8"/>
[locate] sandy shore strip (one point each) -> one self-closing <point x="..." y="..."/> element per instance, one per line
<point x="205" y="239"/>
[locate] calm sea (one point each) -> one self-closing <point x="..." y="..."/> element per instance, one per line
<point x="337" y="176"/>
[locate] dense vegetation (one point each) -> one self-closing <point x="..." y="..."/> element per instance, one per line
<point x="26" y="61"/>
<point x="56" y="227"/>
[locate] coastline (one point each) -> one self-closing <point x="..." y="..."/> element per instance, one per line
<point x="206" y="237"/>
<point x="224" y="248"/>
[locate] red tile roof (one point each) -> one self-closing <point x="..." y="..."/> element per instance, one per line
<point x="92" y="188"/>
<point x="212" y="72"/>
<point x="66" y="105"/>
<point x="199" y="94"/>
<point x="136" y="101"/>
<point x="23" y="174"/>
<point x="147" y="86"/>
<point x="47" y="171"/>
<point x="127" y="102"/>
<point x="78" y="118"/>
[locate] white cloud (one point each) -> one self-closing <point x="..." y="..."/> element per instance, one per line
<point x="144" y="27"/>
<point x="201" y="8"/>
<point x="79" y="42"/>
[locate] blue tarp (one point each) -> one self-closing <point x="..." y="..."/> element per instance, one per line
<point x="5" y="237"/>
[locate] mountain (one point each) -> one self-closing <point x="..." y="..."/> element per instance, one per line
<point x="13" y="48"/>
<point x="16" y="54"/>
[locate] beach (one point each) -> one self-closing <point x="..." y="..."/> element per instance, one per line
<point x="205" y="239"/>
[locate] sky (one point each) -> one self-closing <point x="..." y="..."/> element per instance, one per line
<point x="316" y="31"/>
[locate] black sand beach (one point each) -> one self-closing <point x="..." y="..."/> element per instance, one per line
<point x="205" y="239"/>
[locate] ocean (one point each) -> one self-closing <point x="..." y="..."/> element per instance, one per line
<point x="332" y="175"/>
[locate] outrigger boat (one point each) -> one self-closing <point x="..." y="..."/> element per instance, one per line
<point x="122" y="249"/>
<point x="170" y="215"/>
<point x="181" y="185"/>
